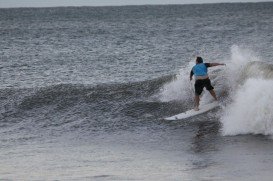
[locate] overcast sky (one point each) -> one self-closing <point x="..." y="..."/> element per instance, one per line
<point x="50" y="3"/>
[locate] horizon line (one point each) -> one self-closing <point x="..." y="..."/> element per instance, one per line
<point x="151" y="4"/>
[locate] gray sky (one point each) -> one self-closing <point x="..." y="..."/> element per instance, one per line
<point x="50" y="3"/>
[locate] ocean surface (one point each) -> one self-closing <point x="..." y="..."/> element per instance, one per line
<point x="84" y="92"/>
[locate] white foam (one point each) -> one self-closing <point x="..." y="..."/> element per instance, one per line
<point x="252" y="109"/>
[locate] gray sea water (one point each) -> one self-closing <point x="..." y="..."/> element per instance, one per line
<point x="84" y="91"/>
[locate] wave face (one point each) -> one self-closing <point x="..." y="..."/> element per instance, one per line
<point x="87" y="109"/>
<point x="243" y="87"/>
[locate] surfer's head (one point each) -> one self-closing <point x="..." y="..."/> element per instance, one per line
<point x="199" y="60"/>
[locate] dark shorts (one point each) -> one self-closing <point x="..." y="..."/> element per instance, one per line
<point x="200" y="84"/>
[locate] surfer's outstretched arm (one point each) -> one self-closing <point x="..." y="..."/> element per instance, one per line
<point x="216" y="64"/>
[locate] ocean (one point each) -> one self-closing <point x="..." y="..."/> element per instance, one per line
<point x="84" y="92"/>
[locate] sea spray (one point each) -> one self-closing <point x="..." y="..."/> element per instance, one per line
<point x="240" y="58"/>
<point x="180" y="88"/>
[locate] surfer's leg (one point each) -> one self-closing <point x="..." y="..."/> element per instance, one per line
<point x="213" y="94"/>
<point x="210" y="88"/>
<point x="198" y="91"/>
<point x="196" y="101"/>
<point x="199" y="85"/>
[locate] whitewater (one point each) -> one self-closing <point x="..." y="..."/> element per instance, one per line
<point x="243" y="87"/>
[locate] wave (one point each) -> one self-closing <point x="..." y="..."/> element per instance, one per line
<point x="64" y="93"/>
<point x="67" y="107"/>
<point x="243" y="87"/>
<point x="251" y="111"/>
<point x="250" y="106"/>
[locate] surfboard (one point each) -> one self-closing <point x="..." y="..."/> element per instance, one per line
<point x="192" y="112"/>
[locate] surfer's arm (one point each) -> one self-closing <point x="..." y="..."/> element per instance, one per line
<point x="215" y="64"/>
<point x="191" y="74"/>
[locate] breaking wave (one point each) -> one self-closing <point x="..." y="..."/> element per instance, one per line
<point x="249" y="108"/>
<point x="244" y="87"/>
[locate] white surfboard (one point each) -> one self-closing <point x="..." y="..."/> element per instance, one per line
<point x="192" y="112"/>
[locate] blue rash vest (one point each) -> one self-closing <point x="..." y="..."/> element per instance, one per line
<point x="200" y="69"/>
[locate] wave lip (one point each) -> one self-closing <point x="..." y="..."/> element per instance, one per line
<point x="258" y="70"/>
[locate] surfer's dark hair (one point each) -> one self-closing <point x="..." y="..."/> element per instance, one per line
<point x="199" y="59"/>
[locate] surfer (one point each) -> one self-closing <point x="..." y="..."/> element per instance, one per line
<point x="200" y="72"/>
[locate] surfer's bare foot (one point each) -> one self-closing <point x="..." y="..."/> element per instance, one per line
<point x="196" y="108"/>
